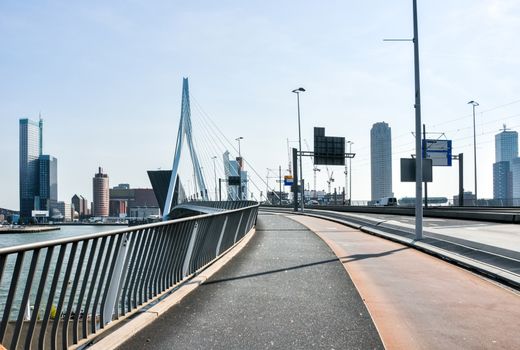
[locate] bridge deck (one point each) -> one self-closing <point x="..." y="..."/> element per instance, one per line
<point x="421" y="302"/>
<point x="285" y="290"/>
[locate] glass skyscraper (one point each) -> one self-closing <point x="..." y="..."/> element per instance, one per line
<point x="30" y="151"/>
<point x="506" y="152"/>
<point x="381" y="160"/>
<point x="48" y="182"/>
<point x="506" y="146"/>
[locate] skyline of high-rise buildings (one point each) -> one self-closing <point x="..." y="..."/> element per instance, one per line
<point x="381" y="161"/>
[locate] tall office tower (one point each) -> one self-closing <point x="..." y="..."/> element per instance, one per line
<point x="48" y="181"/>
<point x="506" y="149"/>
<point x="381" y="160"/>
<point x="506" y="145"/>
<point x="30" y="150"/>
<point x="100" y="194"/>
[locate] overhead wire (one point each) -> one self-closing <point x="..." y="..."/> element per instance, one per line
<point x="223" y="138"/>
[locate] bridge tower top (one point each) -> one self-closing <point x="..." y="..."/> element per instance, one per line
<point x="184" y="131"/>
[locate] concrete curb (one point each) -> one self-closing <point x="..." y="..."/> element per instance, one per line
<point x="144" y="318"/>
<point x="487" y="270"/>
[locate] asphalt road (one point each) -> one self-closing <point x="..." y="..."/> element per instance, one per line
<point x="285" y="290"/>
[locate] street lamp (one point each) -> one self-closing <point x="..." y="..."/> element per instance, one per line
<point x="350" y="174"/>
<point x="474" y="104"/>
<point x="297" y="92"/>
<point x="238" y="139"/>
<point x="215" y="175"/>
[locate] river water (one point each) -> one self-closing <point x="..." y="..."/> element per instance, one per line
<point x="15" y="239"/>
<point x="12" y="239"/>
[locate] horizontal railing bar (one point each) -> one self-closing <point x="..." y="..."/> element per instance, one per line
<point x="60" y="241"/>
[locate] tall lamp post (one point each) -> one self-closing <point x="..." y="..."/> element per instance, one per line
<point x="215" y="175"/>
<point x="418" y="159"/>
<point x="474" y="104"/>
<point x="350" y="143"/>
<point x="297" y="92"/>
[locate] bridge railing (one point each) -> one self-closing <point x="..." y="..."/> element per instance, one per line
<point x="58" y="293"/>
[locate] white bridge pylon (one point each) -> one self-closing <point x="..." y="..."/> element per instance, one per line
<point x="185" y="129"/>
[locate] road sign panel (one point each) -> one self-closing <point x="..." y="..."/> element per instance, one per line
<point x="408" y="170"/>
<point x="328" y="150"/>
<point x="439" y="151"/>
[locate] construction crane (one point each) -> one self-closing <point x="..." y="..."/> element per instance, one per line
<point x="314" y="168"/>
<point x="330" y="178"/>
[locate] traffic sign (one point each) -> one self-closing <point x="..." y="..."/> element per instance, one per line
<point x="328" y="150"/>
<point x="288" y="180"/>
<point x="439" y="151"/>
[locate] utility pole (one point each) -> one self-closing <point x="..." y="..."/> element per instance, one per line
<point x="424" y="157"/>
<point x="418" y="158"/>
<point x="461" y="179"/>
<point x="350" y="174"/>
<point x="346" y="183"/>
<point x="297" y="92"/>
<point x="474" y="104"/>
<point x="295" y="178"/>
<point x="280" y="182"/>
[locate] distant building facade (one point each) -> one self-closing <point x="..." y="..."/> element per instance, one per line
<point x="100" y="194"/>
<point x="30" y="151"/>
<point x="381" y="160"/>
<point x="48" y="184"/>
<point x="61" y="211"/>
<point x="515" y="180"/>
<point x="506" y="145"/>
<point x="118" y="208"/>
<point x="235" y="168"/>
<point x="123" y="199"/>
<point x="506" y="169"/>
<point x="143" y="212"/>
<point x="80" y="205"/>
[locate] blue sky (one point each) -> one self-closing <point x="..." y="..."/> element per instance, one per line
<point x="107" y="78"/>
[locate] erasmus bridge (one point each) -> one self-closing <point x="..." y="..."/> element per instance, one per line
<point x="233" y="274"/>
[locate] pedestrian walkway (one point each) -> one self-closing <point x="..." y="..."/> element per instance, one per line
<point x="421" y="302"/>
<point x="285" y="290"/>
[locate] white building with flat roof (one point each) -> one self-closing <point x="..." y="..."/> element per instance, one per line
<point x="381" y="160"/>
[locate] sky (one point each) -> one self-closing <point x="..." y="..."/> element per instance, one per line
<point x="107" y="78"/>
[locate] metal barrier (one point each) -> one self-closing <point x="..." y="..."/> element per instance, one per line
<point x="54" y="294"/>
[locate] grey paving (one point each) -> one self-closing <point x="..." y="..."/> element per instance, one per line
<point x="285" y="290"/>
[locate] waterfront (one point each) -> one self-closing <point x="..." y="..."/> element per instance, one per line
<point x="13" y="239"/>
<point x="16" y="239"/>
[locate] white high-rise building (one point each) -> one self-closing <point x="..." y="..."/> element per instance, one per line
<point x="381" y="160"/>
